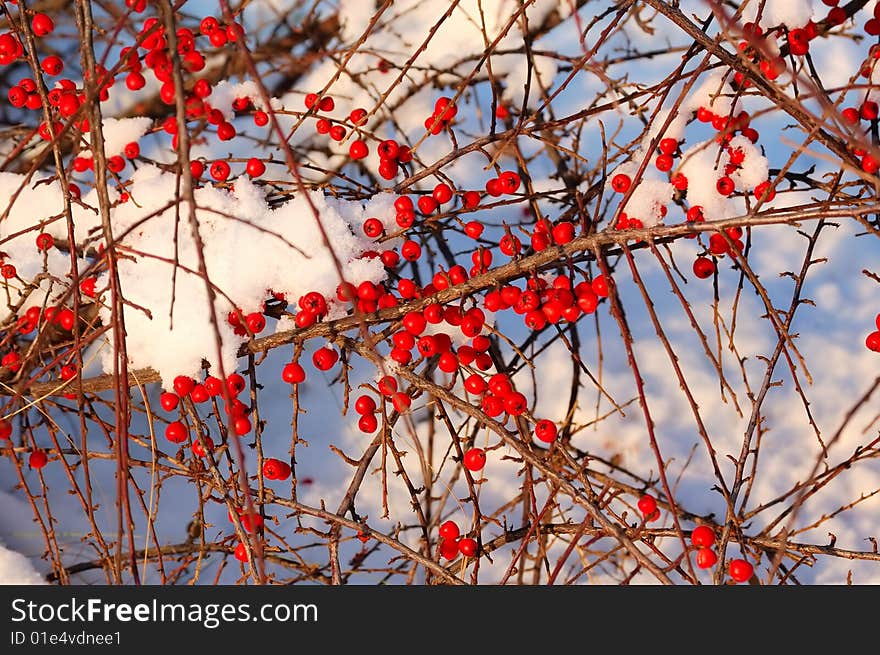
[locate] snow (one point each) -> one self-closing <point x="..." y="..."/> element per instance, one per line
<point x="225" y="92"/>
<point x="119" y="132"/>
<point x="249" y="250"/>
<point x="258" y="252"/>
<point x="791" y="13"/>
<point x="16" y="569"/>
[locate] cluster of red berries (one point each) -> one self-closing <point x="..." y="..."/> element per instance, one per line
<point x="10" y="48"/>
<point x="444" y="113"/>
<point x="201" y="392"/>
<point x="251" y="522"/>
<point x="252" y="323"/>
<point x="703" y="538"/>
<point x="542" y="303"/>
<point x="38" y="457"/>
<point x="647" y="505"/>
<point x="867" y="111"/>
<point x="34" y="316"/>
<point x="506" y="183"/>
<point x="275" y="469"/>
<point x="365" y="406"/>
<point x="872" y="341"/>
<point x="115" y="163"/>
<point x="452" y="544"/>
<point x="325" y="104"/>
<point x="391" y="156"/>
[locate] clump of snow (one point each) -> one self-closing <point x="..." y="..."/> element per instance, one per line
<point x="702" y="171"/>
<point x="250" y="249"/>
<point x="713" y="93"/>
<point x="755" y="167"/>
<point x="17" y="569"/>
<point x="33" y="204"/>
<point x="119" y="132"/>
<point x="648" y="196"/>
<point x="791" y="13"/>
<point x="699" y="166"/>
<point x="224" y="93"/>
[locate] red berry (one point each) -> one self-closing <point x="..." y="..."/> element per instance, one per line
<point x="199" y="394"/>
<point x="563" y="233"/>
<point x="275" y="469"/>
<point x="401" y="402"/>
<point x="199" y="450"/>
<point x="176" y="432"/>
<point x="358" y="116"/>
<point x="448" y="530"/>
<point x="703" y="536"/>
<point x="255" y="167"/>
<point x="473" y="229"/>
<point x="256" y="322"/>
<point x="647" y="505"/>
<point x="706" y="558"/>
<point x="293" y="373"/>
<point x="241" y="425"/>
<point x="449" y="549"/>
<point x="225" y="131"/>
<point x="5" y="429"/>
<point x="515" y="403"/>
<point x="183" y="385"/>
<point x="704" y="267"/>
<point x="169" y="401"/>
<point x="337" y="132"/>
<point x="740" y="570"/>
<point x="373" y="228"/>
<point x="411" y="251"/>
<point x="387" y="386"/>
<point x="668" y="146"/>
<point x="42" y="25"/>
<point x="872" y="341"/>
<point x="358" y="149"/>
<point x="467" y="547"/>
<point x="474" y="459"/>
<point x="44" y="241"/>
<point x="235" y="384"/>
<point x="220" y="170"/>
<point x="664" y="163"/>
<point x="427" y="205"/>
<point x="545" y="430"/>
<point x="251" y="522"/>
<point x="414" y="323"/>
<point x="368" y="423"/>
<point x="52" y="65"/>
<point x="621" y="183"/>
<point x="725" y="186"/>
<point x="241" y="553"/>
<point x="442" y="193"/>
<point x="38" y="459"/>
<point x="850" y="115"/>
<point x="324" y="358"/>
<point x="600" y="286"/>
<point x="365" y="404"/>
